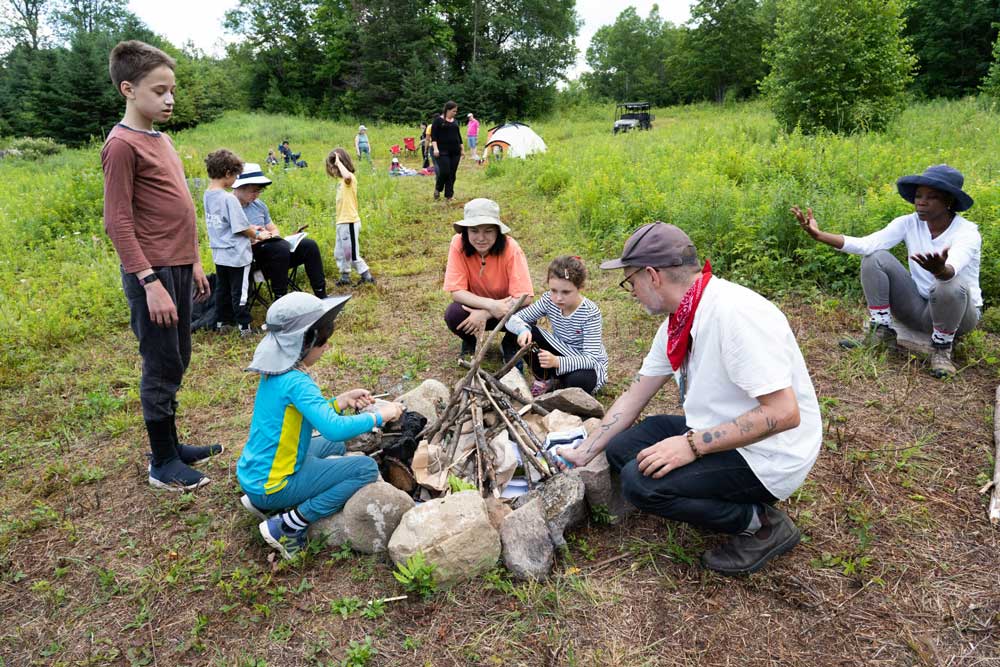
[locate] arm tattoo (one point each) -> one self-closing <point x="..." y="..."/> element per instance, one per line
<point x="604" y="431"/>
<point x="706" y="437"/>
<point x="637" y="378"/>
<point x="772" y="425"/>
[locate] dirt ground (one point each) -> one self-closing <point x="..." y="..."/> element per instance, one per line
<point x="899" y="565"/>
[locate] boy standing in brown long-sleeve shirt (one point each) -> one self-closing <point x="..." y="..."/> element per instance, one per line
<point x="150" y="217"/>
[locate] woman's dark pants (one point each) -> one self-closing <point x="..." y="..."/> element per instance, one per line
<point x="447" y="169"/>
<point x="454" y="315"/>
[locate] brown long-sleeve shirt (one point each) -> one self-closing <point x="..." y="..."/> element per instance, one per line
<point x="148" y="210"/>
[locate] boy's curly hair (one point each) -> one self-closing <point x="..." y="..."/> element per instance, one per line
<point x="222" y="163"/>
<point x="132" y="60"/>
<point x="568" y="267"/>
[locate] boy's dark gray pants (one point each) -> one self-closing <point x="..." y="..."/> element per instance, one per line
<point x="165" y="351"/>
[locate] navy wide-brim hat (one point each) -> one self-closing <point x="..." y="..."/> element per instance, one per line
<point x="940" y="177"/>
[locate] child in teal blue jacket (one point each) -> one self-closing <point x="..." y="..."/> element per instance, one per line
<point x="283" y="468"/>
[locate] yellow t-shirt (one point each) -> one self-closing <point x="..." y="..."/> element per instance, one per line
<point x="347" y="201"/>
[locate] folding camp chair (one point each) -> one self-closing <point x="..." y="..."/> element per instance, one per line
<point x="262" y="292"/>
<point x="395" y="150"/>
<point x="410" y="144"/>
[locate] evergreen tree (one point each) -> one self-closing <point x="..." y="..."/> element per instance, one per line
<point x="839" y="65"/>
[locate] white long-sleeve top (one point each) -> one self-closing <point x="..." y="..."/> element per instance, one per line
<point x="578" y="337"/>
<point x="961" y="238"/>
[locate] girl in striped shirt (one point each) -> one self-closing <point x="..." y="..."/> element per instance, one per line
<point x="572" y="354"/>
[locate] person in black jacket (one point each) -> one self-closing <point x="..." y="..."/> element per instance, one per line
<point x="447" y="148"/>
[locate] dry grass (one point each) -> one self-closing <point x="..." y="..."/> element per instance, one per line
<point x="96" y="568"/>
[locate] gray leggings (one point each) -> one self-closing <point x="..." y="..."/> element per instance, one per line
<point x="886" y="281"/>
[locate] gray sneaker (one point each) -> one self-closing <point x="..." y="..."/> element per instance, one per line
<point x="744" y="554"/>
<point x="941" y="363"/>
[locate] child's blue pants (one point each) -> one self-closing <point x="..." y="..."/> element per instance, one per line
<point x="321" y="486"/>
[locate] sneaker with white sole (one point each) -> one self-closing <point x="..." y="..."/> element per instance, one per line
<point x="253" y="509"/>
<point x="278" y="536"/>
<point x="175" y="475"/>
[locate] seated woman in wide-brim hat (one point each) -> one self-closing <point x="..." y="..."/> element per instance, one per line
<point x="940" y="294"/>
<point x="487" y="272"/>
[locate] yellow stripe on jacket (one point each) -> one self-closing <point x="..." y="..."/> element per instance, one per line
<point x="288" y="450"/>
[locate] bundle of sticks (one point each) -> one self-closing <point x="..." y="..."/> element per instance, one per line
<point x="474" y="396"/>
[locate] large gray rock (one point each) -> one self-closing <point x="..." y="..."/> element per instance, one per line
<point x="428" y="398"/>
<point x="527" y="549"/>
<point x="515" y="381"/>
<point x="453" y="533"/>
<point x="563" y="497"/>
<point x="367" y="520"/>
<point x="596" y="477"/>
<point x="572" y="400"/>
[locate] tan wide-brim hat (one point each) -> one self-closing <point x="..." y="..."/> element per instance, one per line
<point x="481" y="211"/>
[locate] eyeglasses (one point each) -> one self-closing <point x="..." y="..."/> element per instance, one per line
<point x="626" y="285"/>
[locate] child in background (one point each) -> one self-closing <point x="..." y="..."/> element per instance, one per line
<point x="272" y="159"/>
<point x="347" y="252"/>
<point x="229" y="234"/>
<point x="572" y="354"/>
<point x="362" y="145"/>
<point x="150" y="218"/>
<point x="283" y="468"/>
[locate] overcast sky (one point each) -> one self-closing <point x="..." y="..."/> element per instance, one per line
<point x="199" y="21"/>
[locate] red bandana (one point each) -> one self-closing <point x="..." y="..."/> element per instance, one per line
<point x="680" y="321"/>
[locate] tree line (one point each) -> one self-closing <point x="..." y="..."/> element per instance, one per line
<point x="840" y="65"/>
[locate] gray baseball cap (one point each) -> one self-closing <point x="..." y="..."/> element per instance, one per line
<point x="657" y="244"/>
<point x="287" y="321"/>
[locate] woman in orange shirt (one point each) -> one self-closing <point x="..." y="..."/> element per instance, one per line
<point x="487" y="272"/>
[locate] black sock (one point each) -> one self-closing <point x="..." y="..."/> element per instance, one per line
<point x="161" y="441"/>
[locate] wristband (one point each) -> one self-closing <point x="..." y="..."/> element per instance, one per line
<point x="149" y="280"/>
<point x="336" y="407"/>
<point x="690" y="439"/>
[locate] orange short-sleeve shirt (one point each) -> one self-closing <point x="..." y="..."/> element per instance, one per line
<point x="494" y="277"/>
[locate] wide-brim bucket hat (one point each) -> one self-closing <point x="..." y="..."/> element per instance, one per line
<point x="252" y="175"/>
<point x="481" y="211"/>
<point x="287" y="321"/>
<point x="940" y="177"/>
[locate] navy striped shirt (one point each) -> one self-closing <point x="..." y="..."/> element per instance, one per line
<point x="578" y="338"/>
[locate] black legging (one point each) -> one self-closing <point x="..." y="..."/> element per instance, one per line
<point x="447" y="168"/>
<point x="585" y="378"/>
<point x="275" y="259"/>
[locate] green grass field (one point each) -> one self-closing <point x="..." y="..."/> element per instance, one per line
<point x="898" y="566"/>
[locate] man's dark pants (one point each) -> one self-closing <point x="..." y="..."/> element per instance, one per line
<point x="717" y="491"/>
<point x="165" y="351"/>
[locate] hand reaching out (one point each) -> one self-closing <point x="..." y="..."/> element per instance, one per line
<point x="935" y="263"/>
<point x="806" y="220"/>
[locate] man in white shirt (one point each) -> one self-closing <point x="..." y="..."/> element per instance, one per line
<point x="940" y="293"/>
<point x="751" y="428"/>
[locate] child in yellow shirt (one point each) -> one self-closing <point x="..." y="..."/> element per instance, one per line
<point x="347" y="252"/>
